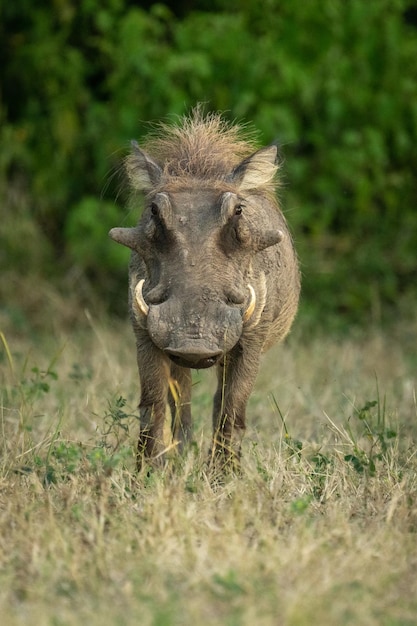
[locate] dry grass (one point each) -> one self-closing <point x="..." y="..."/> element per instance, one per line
<point x="319" y="529"/>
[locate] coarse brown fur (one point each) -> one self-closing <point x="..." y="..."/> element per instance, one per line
<point x="214" y="277"/>
<point x="202" y="147"/>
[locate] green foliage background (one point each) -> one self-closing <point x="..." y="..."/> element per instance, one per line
<point x="333" y="81"/>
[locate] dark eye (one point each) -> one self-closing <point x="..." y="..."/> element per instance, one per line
<point x="239" y="209"/>
<point x="154" y="209"/>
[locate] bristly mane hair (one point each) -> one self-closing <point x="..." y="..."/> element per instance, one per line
<point x="201" y="147"/>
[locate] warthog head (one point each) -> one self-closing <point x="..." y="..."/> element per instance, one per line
<point x="193" y="248"/>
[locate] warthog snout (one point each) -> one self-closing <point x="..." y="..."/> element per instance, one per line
<point x="193" y="336"/>
<point x="196" y="335"/>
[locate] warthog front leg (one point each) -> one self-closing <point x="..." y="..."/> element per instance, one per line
<point x="235" y="379"/>
<point x="154" y="375"/>
<point x="179" y="398"/>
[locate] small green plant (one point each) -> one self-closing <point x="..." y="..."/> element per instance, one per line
<point x="28" y="386"/>
<point x="228" y="585"/>
<point x="300" y="505"/>
<point x="67" y="458"/>
<point x="294" y="446"/>
<point x="262" y="469"/>
<point x="372" y="438"/>
<point x="116" y="423"/>
<point x="38" y="383"/>
<point x="80" y="373"/>
<point x="321" y="464"/>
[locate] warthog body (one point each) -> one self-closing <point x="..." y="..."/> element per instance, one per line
<point x="214" y="278"/>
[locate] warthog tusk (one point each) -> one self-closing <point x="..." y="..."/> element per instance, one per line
<point x="140" y="300"/>
<point x="251" y="306"/>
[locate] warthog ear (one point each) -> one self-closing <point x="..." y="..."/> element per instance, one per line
<point x="143" y="172"/>
<point x="126" y="236"/>
<point x="267" y="239"/>
<point x="256" y="170"/>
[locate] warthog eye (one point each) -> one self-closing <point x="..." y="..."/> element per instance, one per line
<point x="239" y="208"/>
<point x="154" y="209"/>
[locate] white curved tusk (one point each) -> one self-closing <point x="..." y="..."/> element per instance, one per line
<point x="251" y="306"/>
<point x="140" y="300"/>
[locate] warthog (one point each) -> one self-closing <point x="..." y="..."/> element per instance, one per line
<point x="214" y="278"/>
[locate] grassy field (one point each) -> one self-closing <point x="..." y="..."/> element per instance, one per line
<point x="320" y="528"/>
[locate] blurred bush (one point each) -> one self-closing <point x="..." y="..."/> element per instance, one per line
<point x="333" y="82"/>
